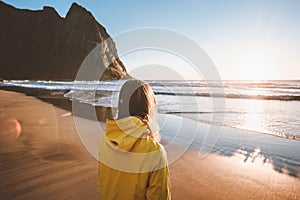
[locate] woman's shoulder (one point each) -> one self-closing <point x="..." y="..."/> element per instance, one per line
<point x="149" y="145"/>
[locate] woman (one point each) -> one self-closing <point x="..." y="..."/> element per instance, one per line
<point x="132" y="162"/>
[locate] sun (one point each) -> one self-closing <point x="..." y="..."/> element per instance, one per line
<point x="255" y="65"/>
<point x="256" y="60"/>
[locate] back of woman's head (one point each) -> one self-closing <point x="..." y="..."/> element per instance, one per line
<point x="136" y="99"/>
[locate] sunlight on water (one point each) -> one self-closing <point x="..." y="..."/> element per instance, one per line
<point x="254" y="119"/>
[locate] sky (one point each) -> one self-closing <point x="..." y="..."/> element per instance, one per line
<point x="245" y="39"/>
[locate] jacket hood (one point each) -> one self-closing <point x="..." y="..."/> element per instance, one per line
<point x="125" y="133"/>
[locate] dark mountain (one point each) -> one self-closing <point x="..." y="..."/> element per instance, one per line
<point x="42" y="45"/>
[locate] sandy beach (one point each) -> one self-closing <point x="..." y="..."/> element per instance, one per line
<point x="48" y="161"/>
<point x="217" y="177"/>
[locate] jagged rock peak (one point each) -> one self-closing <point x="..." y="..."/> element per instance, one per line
<point x="48" y="10"/>
<point x="77" y="11"/>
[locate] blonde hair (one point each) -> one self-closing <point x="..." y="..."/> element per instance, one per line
<point x="137" y="99"/>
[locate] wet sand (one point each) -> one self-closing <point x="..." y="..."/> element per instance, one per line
<point x="48" y="161"/>
<point x="218" y="177"/>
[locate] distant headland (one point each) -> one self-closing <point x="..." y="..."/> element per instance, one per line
<point x="43" y="45"/>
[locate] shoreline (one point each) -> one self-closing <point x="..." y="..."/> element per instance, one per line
<point x="55" y="164"/>
<point x="62" y="102"/>
<point x="279" y="153"/>
<point x="102" y="112"/>
<point x="88" y="111"/>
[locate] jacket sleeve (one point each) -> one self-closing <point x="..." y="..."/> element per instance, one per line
<point x="159" y="183"/>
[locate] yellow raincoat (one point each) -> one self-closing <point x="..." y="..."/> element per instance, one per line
<point x="131" y="165"/>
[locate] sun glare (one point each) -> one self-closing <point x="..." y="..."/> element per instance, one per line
<point x="254" y="66"/>
<point x="254" y="120"/>
<point x="256" y="60"/>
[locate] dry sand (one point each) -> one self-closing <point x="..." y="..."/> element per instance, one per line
<point x="48" y="161"/>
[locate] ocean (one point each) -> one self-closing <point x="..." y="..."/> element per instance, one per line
<point x="265" y="107"/>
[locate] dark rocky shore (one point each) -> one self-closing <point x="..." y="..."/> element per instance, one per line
<point x="41" y="45"/>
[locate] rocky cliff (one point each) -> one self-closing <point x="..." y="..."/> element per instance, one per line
<point x="42" y="45"/>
